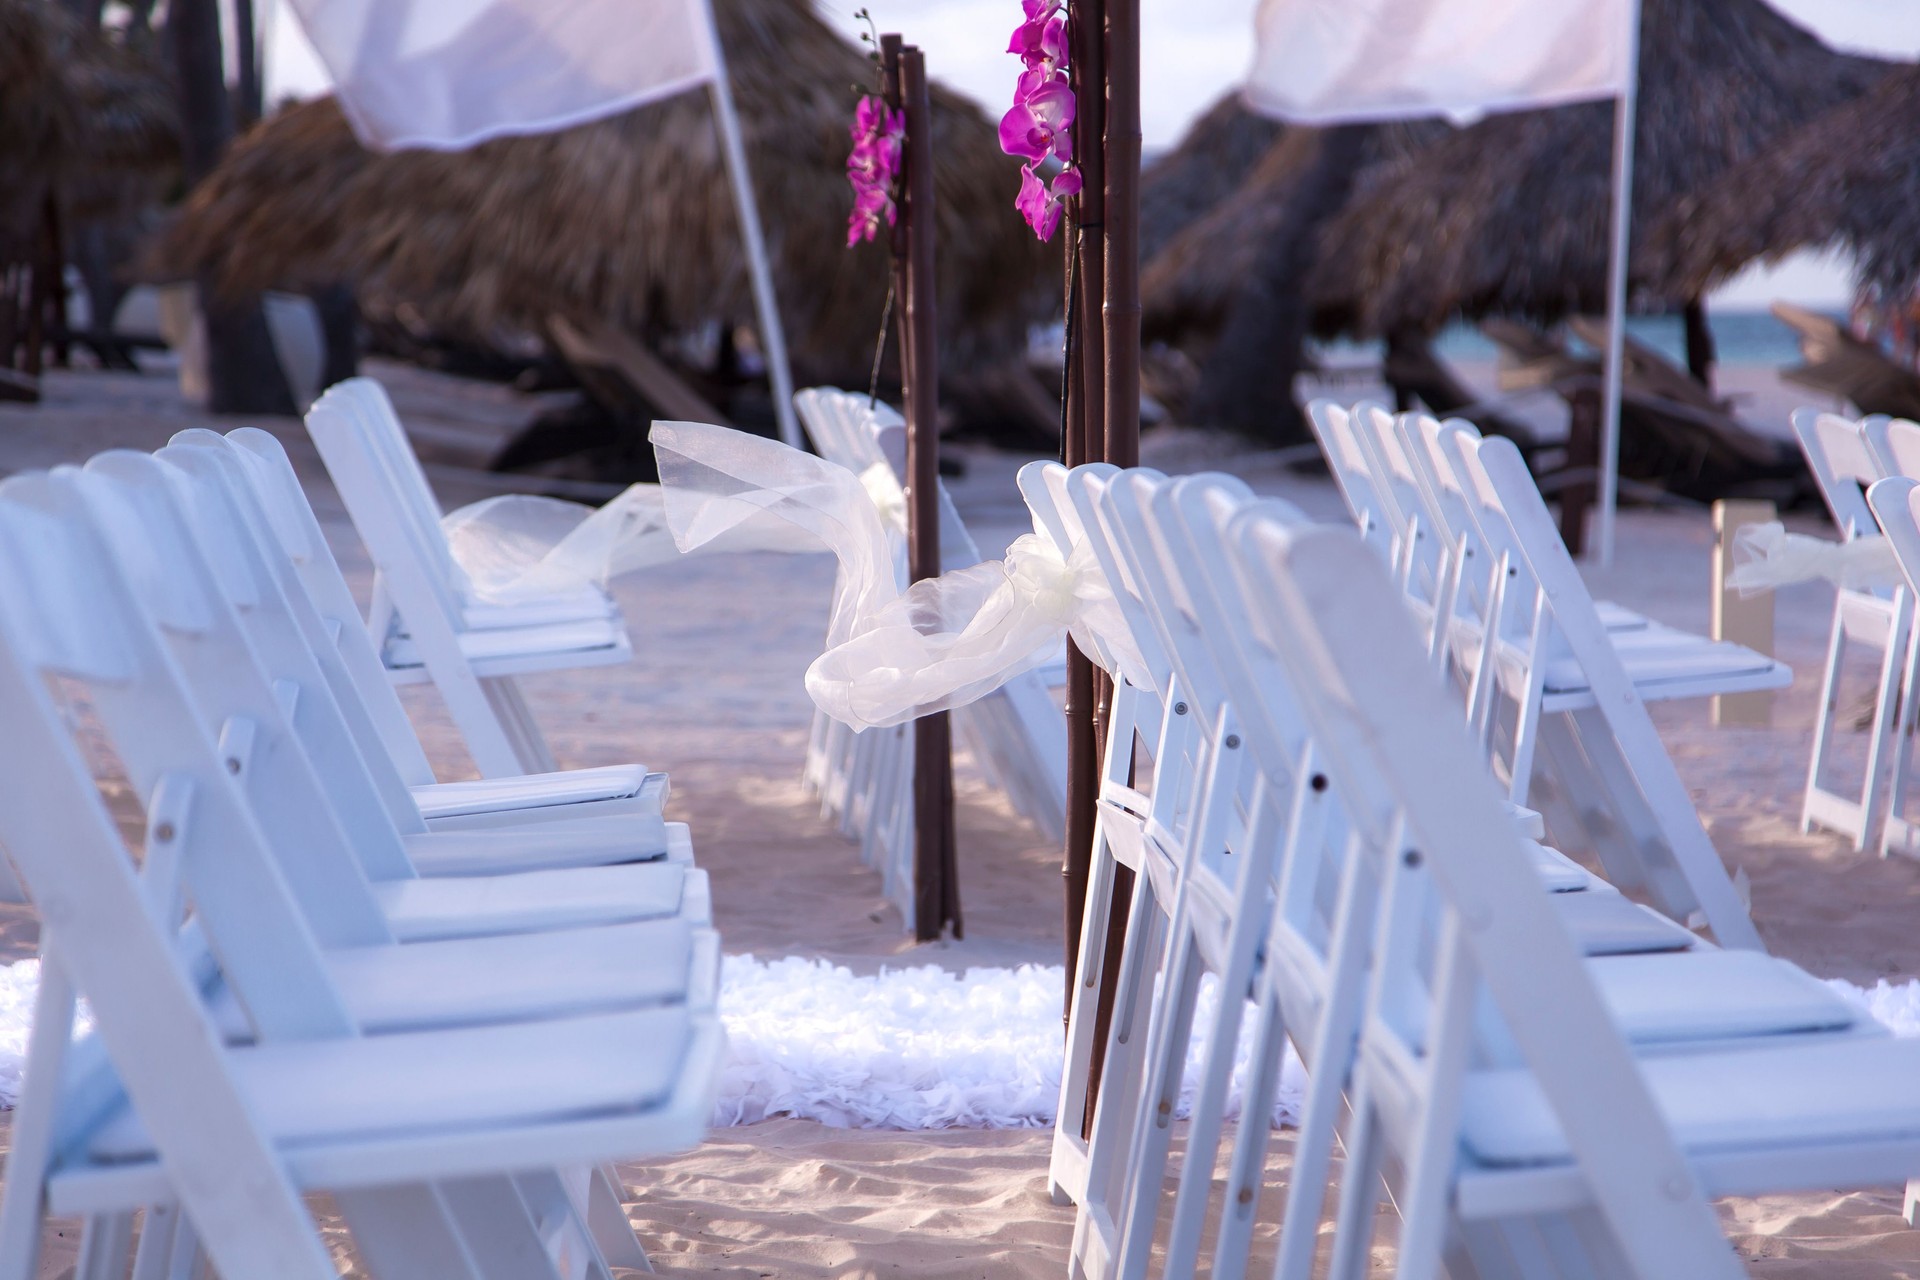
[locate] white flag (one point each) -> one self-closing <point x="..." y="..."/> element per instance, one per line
<point x="450" y="73"/>
<point x="1328" y="61"/>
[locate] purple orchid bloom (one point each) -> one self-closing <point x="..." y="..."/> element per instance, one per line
<point x="873" y="165"/>
<point x="1038" y="124"/>
<point x="1041" y="43"/>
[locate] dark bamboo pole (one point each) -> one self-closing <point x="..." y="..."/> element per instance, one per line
<point x="1123" y="232"/>
<point x="1084" y="434"/>
<point x="1120" y="383"/>
<point x="936" y="887"/>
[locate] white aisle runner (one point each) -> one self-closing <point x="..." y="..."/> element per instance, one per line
<point x="911" y="1048"/>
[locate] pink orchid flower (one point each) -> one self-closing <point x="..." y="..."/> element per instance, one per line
<point x="1041" y="43"/>
<point x="1042" y="207"/>
<point x="1038" y="124"/>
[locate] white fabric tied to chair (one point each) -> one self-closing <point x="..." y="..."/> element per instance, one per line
<point x="1771" y="557"/>
<point x="890" y="656"/>
<point x="520" y="545"/>
<point x="951" y="640"/>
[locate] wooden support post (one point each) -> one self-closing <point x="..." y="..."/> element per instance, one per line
<point x="936" y="879"/>
<point x="1085" y="434"/>
<point x="1745" y="620"/>
<point x="1119" y="152"/>
<point x="1583" y="460"/>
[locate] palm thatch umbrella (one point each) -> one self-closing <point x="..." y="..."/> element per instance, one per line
<point x="1849" y="178"/>
<point x="1209" y="163"/>
<point x="629" y="219"/>
<point x="81" y="114"/>
<point x="1510" y="216"/>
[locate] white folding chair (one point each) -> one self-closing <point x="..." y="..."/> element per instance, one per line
<point x="260" y="479"/>
<point x="366" y="854"/>
<point x="1307" y="980"/>
<point x="1546" y="1149"/>
<point x="1160" y="719"/>
<point x="1566" y="663"/>
<point x="229" y="1126"/>
<point x="1844" y="464"/>
<point x="423" y="620"/>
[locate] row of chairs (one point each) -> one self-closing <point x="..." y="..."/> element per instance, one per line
<point x="865" y="780"/>
<point x="1558" y="696"/>
<point x="427" y="621"/>
<point x="1547" y="1079"/>
<point x="306" y="968"/>
<point x="1847" y="457"/>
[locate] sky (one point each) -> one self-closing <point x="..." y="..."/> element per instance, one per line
<point x="1193" y="51"/>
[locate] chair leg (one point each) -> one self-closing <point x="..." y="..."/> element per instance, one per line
<point x="1873" y="788"/>
<point x="106" y="1247"/>
<point x="1824" y="718"/>
<point x="516" y="719"/>
<point x="606" y="1216"/>
<point x="404" y="1231"/>
<point x="1896" y="830"/>
<point x="157" y="1229"/>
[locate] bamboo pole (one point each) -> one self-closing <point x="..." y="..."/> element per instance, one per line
<point x="936" y="881"/>
<point x="1085" y="433"/>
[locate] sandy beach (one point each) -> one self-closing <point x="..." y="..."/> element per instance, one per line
<point x="714" y="697"/>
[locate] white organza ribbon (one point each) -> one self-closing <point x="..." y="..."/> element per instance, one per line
<point x="891" y="655"/>
<point x="1767" y="556"/>
<point x="518" y="546"/>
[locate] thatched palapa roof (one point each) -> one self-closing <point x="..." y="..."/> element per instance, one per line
<point x="1849" y="178"/>
<point x="1218" y="152"/>
<point x="631" y="218"/>
<point x="1510" y="216"/>
<point x="80" y="114"/>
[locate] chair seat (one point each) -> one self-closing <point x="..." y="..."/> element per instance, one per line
<point x="1617" y="617"/>
<point x="1558" y="872"/>
<point x="587" y="604"/>
<point x="1803" y="1093"/>
<point x="1662" y="663"/>
<point x="1604" y="922"/>
<point x="571" y="842"/>
<point x="437" y="1087"/>
<point x="516" y="978"/>
<point x="532" y="901"/>
<point x="518" y="650"/>
<point x="533" y="790"/>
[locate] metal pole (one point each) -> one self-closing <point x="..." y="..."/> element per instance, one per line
<point x="1623" y="125"/>
<point x="766" y="307"/>
<point x="936" y="889"/>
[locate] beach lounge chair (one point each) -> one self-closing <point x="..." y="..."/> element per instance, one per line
<point x="1844" y="465"/>
<point x="1839" y="364"/>
<point x="432" y="1140"/>
<point x="423" y="619"/>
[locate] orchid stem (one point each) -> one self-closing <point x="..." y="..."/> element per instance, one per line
<point x="880" y="350"/>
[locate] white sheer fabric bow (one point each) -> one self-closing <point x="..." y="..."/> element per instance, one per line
<point x="893" y="653"/>
<point x="1767" y="556"/>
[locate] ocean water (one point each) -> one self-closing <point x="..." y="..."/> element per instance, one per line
<point x="1740" y="337"/>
